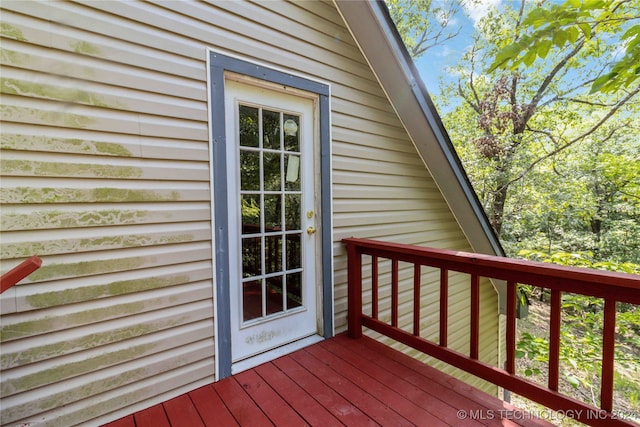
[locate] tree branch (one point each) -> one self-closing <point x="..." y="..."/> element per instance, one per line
<point x="579" y="138"/>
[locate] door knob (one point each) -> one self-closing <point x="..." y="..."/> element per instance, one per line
<point x="311" y="230"/>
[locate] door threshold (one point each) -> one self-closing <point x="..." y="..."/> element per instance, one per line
<point x="267" y="356"/>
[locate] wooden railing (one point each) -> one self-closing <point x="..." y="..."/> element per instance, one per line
<point x="19" y="272"/>
<point x="610" y="286"/>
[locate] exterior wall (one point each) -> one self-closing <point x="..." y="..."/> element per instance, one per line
<point x="106" y="175"/>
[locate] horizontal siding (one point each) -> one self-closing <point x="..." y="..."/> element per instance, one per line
<point x="105" y="174"/>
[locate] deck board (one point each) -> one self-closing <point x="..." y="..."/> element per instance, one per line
<point x="299" y="399"/>
<point x="211" y="408"/>
<point x="337" y="382"/>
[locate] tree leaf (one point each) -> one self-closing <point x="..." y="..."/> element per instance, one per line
<point x="586" y="29"/>
<point x="560" y="38"/>
<point x="543" y="48"/>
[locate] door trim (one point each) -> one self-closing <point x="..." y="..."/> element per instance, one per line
<point x="218" y="64"/>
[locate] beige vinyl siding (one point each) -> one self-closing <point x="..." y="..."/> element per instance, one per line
<point x="105" y="174"/>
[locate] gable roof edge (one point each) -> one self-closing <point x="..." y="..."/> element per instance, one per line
<point x="375" y="33"/>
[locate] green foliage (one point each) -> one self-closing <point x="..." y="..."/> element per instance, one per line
<point x="581" y="337"/>
<point x="424" y="24"/>
<point x="556" y="26"/>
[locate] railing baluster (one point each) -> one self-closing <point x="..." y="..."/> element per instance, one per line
<point x="374" y="286"/>
<point x="394" y="292"/>
<point x="608" y="347"/>
<point x="444" y="306"/>
<point x="554" y="338"/>
<point x="512" y="301"/>
<point x="475" y="317"/>
<point x="416" y="300"/>
<point x="354" y="296"/>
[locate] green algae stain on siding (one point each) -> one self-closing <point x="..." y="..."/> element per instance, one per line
<point x="34" y="115"/>
<point x="88" y="268"/>
<point x="59" y="348"/>
<point x="51" y="247"/>
<point x="11" y="31"/>
<point x="70" y="219"/>
<point x="50" y="323"/>
<point x="40" y="90"/>
<point x="69" y="370"/>
<point x="34" y="168"/>
<point x="62" y="145"/>
<point x="12" y="57"/>
<point x="28" y="195"/>
<point x="85" y="48"/>
<point x="69" y="296"/>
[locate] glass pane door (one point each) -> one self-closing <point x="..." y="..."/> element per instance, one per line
<point x="272" y="240"/>
<point x="270" y="206"/>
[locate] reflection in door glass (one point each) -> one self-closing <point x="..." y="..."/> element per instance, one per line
<point x="292" y="212"/>
<point x="251" y="300"/>
<point x="294" y="290"/>
<point x="271" y="129"/>
<point x="249" y="170"/>
<point x="272" y="173"/>
<point x="250" y="213"/>
<point x="275" y="295"/>
<point x="271" y="212"/>
<point x="249" y="124"/>
<point x="251" y="256"/>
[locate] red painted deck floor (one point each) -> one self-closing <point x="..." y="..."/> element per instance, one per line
<point x="336" y="382"/>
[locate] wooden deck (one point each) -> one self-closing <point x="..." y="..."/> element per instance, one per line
<point x="340" y="381"/>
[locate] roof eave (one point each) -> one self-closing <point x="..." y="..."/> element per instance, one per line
<point x="372" y="28"/>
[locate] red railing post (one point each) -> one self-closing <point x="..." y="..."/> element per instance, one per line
<point x="554" y="339"/>
<point x="608" y="355"/>
<point x="444" y="306"/>
<point x="474" y="343"/>
<point x="512" y="301"/>
<point x="416" y="300"/>
<point x="394" y="293"/>
<point x="374" y="287"/>
<point x="19" y="272"/>
<point x="354" y="297"/>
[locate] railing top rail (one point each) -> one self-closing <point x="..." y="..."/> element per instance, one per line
<point x="19" y="272"/>
<point x="621" y="286"/>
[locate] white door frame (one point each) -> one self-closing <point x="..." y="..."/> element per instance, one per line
<point x="220" y="65"/>
<point x="295" y="179"/>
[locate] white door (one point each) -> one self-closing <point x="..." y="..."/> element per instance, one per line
<point x="272" y="218"/>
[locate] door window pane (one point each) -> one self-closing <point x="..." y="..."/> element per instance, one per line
<point x="291" y="129"/>
<point x="293" y="172"/>
<point x="250" y="205"/>
<point x="272" y="213"/>
<point x="249" y="135"/>
<point x="275" y="297"/>
<point x="271" y="129"/>
<point x="294" y="250"/>
<point x="251" y="256"/>
<point x="251" y="300"/>
<point x="292" y="211"/>
<point x="272" y="173"/>
<point x="294" y="290"/>
<point x="273" y="254"/>
<point x="249" y="170"/>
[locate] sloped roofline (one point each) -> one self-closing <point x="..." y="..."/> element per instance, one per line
<point x="373" y="29"/>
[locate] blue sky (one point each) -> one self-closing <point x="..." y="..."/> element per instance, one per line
<point x="434" y="63"/>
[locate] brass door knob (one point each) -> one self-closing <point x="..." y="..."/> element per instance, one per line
<point x="311" y="230"/>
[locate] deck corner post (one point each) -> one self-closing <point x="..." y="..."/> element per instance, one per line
<point x="354" y="288"/>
